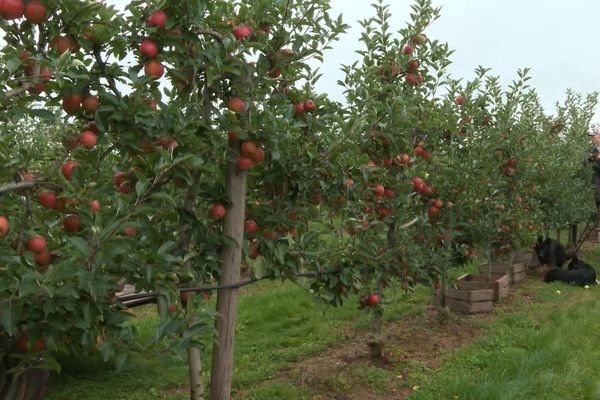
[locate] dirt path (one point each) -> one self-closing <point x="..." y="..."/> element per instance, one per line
<point x="414" y="346"/>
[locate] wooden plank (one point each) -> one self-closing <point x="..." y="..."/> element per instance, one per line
<point x="525" y="258"/>
<point x="519" y="277"/>
<point x="469" y="307"/>
<point x="473" y="295"/>
<point x="498" y="268"/>
<point x="499" y="284"/>
<point x="518" y="268"/>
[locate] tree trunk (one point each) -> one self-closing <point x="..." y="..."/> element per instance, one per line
<point x="195" y="373"/>
<point x="30" y="385"/>
<point x="511" y="259"/>
<point x="573" y="235"/>
<point x="231" y="257"/>
<point x="194" y="355"/>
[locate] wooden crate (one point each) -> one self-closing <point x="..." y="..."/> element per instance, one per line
<point x="525" y="257"/>
<point x="468" y="307"/>
<point x="530" y="260"/>
<point x="499" y="283"/>
<point x="517" y="270"/>
<point x="470" y="301"/>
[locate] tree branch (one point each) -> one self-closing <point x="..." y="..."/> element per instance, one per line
<point x="36" y="69"/>
<point x="409" y="224"/>
<point x="23" y="224"/>
<point x="13" y="187"/>
<point x="111" y="81"/>
<point x="208" y="32"/>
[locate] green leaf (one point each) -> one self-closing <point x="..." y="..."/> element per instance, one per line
<point x="81" y="245"/>
<point x="8" y="318"/>
<point x="122" y="360"/>
<point x="44" y="114"/>
<point x="13" y="64"/>
<point x="163" y="197"/>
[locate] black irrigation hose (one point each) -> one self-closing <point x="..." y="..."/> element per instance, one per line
<point x="134" y="300"/>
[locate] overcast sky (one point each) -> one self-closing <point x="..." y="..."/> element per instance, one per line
<point x="556" y="38"/>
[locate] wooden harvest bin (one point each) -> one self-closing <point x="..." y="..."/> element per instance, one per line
<point x="530" y="260"/>
<point x="518" y="270"/>
<point x="470" y="300"/>
<point x="498" y="283"/>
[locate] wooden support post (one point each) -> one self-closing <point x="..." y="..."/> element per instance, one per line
<point x="231" y="257"/>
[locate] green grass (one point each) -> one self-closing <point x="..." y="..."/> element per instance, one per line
<point x="547" y="350"/>
<point x="277" y="324"/>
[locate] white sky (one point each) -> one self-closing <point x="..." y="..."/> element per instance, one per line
<point x="556" y="38"/>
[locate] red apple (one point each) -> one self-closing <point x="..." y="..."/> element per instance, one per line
<point x="403" y="158"/>
<point x="148" y="48"/>
<point x="258" y="156"/>
<point x="129" y="231"/>
<point x="275" y="72"/>
<point x="299" y="108"/>
<point x="389" y="193"/>
<point x="63" y="43"/>
<point x="158" y="19"/>
<point x="149" y="102"/>
<point x="244" y="163"/>
<point x="419" y="39"/>
<point x="126" y="187"/>
<point x="372" y="299"/>
<point x="3" y="225"/>
<point x="250" y="226"/>
<point x="412" y="79"/>
<point x="242" y="32"/>
<point x="37" y="88"/>
<point x="72" y="223"/>
<point x="310" y="106"/>
<point x="47" y="199"/>
<point x="185" y="296"/>
<point x="236" y="105"/>
<point x="154" y="69"/>
<point x="218" y="211"/>
<point x="459" y="100"/>
<point x="408" y="50"/>
<point x="11" y="9"/>
<point x="43" y="258"/>
<point x="379" y="190"/>
<point x="433" y="211"/>
<point x="173" y="307"/>
<point x="71" y="103"/>
<point x="94" y="205"/>
<point x="254" y="253"/>
<point x="412" y="65"/>
<point x="88" y="139"/>
<point x="36" y="243"/>
<point x="46" y="74"/>
<point x="67" y="169"/>
<point x="35" y="12"/>
<point x="90" y="103"/>
<point x="118" y="178"/>
<point x="247" y="149"/>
